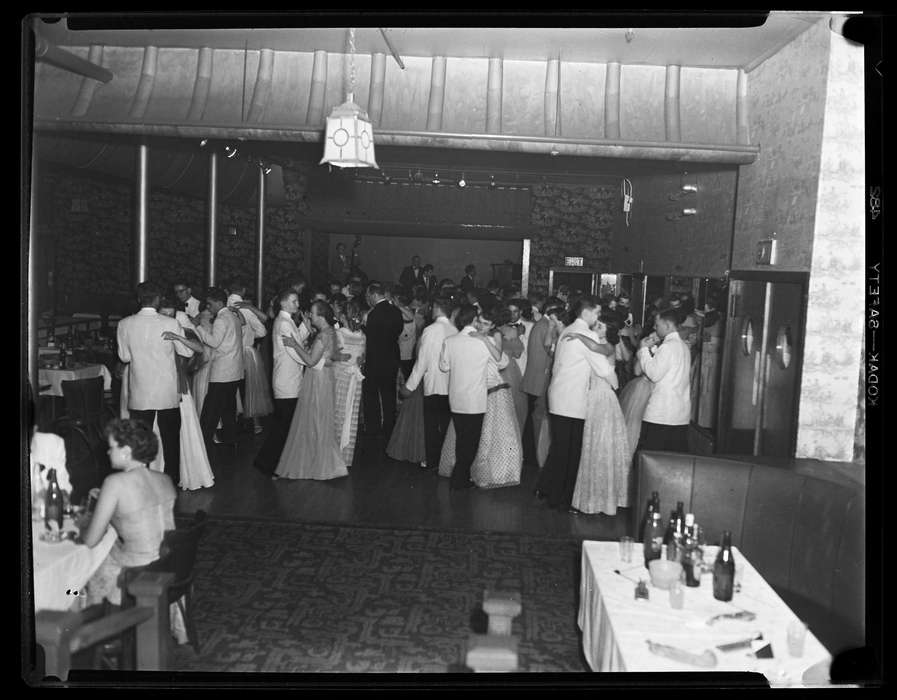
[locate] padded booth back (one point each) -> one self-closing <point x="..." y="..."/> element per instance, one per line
<point x="801" y="522"/>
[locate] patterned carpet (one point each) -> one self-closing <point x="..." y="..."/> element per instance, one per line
<point x="305" y="598"/>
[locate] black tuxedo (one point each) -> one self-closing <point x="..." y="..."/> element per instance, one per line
<point x="409" y="278"/>
<point x="381" y="365"/>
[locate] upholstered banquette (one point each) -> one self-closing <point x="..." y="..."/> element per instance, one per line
<point x="801" y="523"/>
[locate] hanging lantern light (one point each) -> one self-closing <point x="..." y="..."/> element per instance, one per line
<point x="349" y="138"/>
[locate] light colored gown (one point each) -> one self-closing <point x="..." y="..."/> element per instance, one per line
<point x="602" y="482"/>
<point x="348" y="378"/>
<point x="312" y="448"/>
<point x="633" y="402"/>
<point x="499" y="457"/>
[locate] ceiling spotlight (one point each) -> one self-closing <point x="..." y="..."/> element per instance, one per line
<point x="436" y="179"/>
<point x="267" y="169"/>
<point x="203" y="143"/>
<point x="492" y="181"/>
<point x="462" y="182"/>
<point x="231" y="151"/>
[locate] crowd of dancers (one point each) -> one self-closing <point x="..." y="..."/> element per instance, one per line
<point x="447" y="376"/>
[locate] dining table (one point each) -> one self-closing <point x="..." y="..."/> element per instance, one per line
<point x="63" y="568"/>
<point x="53" y="376"/>
<point x="619" y="628"/>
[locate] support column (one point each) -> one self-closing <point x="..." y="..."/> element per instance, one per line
<point x="315" y="114"/>
<point x="671" y="105"/>
<point x="742" y="133"/>
<point x="437" y="94"/>
<point x="551" y="109"/>
<point x="375" y="93"/>
<point x="493" y="97"/>
<point x="213" y="215"/>
<point x="612" y="102"/>
<point x="261" y="239"/>
<point x="524" y="272"/>
<point x="140" y="248"/>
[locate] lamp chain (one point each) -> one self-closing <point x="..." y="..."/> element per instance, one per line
<point x="352" y="59"/>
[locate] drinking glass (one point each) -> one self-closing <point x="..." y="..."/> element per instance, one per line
<point x="626" y="548"/>
<point x="797" y="634"/>
<point x="677" y="595"/>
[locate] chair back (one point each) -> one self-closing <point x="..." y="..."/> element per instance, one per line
<point x="80" y="458"/>
<point x="84" y="400"/>
<point x="178" y="554"/>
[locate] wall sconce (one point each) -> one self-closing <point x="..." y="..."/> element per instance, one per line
<point x="684" y="191"/>
<point x="492" y="182"/>
<point x="462" y="182"/>
<point x="203" y="143"/>
<point x="230" y="151"/>
<point x="689" y="211"/>
<point x="436" y="179"/>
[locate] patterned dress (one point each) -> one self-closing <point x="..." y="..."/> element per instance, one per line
<point x="602" y="482"/>
<point x="499" y="455"/>
<point x="348" y="379"/>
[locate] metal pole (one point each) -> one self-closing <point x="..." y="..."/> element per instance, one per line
<point x="32" y="286"/>
<point x="524" y="272"/>
<point x="142" y="211"/>
<point x="213" y="213"/>
<point x="261" y="241"/>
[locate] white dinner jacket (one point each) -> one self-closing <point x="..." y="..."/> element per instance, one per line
<point x="192" y="306"/>
<point x="226" y="341"/>
<point x="152" y="376"/>
<point x="466" y="360"/>
<point x="573" y="364"/>
<point x="288" y="366"/>
<point x="669" y="368"/>
<point x="426" y="366"/>
<point x="252" y="328"/>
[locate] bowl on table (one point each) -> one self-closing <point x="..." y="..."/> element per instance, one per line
<point x="664" y="572"/>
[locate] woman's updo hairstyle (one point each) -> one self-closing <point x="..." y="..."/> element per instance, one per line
<point x="135" y="434"/>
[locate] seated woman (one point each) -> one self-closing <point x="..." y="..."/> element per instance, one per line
<point x="137" y="502"/>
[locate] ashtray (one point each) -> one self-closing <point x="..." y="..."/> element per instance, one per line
<point x="55" y="536"/>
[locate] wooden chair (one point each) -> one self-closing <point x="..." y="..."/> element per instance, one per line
<point x="178" y="556"/>
<point x="63" y="634"/>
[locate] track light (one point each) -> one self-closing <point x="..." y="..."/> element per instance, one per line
<point x="436" y="179"/>
<point x="492" y="181"/>
<point x="231" y="151"/>
<point x="203" y="143"/>
<point x="462" y="182"/>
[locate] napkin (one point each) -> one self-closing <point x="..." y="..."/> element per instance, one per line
<point x="48" y="452"/>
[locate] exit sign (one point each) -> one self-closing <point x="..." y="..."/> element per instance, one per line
<point x="573" y="262"/>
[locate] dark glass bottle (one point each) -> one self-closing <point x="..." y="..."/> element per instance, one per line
<point x="653" y="507"/>
<point x="724" y="570"/>
<point x="653" y="541"/>
<point x="63" y="356"/>
<point x="691" y="553"/>
<point x="671" y="528"/>
<point x="680" y="511"/>
<point x="53" y="504"/>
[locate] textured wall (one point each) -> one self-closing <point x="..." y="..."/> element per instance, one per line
<point x="93" y="250"/>
<point x="777" y="193"/>
<point x="833" y="346"/>
<point x="570" y="220"/>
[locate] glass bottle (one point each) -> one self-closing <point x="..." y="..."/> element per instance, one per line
<point x="653" y="541"/>
<point x="724" y="570"/>
<point x="53" y="504"/>
<point x="653" y="507"/>
<point x="691" y="553"/>
<point x="63" y="361"/>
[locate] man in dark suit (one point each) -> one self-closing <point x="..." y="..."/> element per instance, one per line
<point x="381" y="365"/>
<point x="412" y="275"/>
<point x="428" y="279"/>
<point x="469" y="281"/>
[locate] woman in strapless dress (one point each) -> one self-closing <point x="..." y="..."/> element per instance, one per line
<point x="136" y="501"/>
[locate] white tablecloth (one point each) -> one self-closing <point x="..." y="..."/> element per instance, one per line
<point x="615" y="626"/>
<point x="64" y="566"/>
<point x="55" y="377"/>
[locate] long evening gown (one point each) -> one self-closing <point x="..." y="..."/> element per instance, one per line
<point x="348" y="378"/>
<point x="312" y="448"/>
<point x="406" y="444"/>
<point x="602" y="482"/>
<point x="633" y="402"/>
<point x="499" y="456"/>
<point x="514" y="378"/>
<point x="196" y="472"/>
